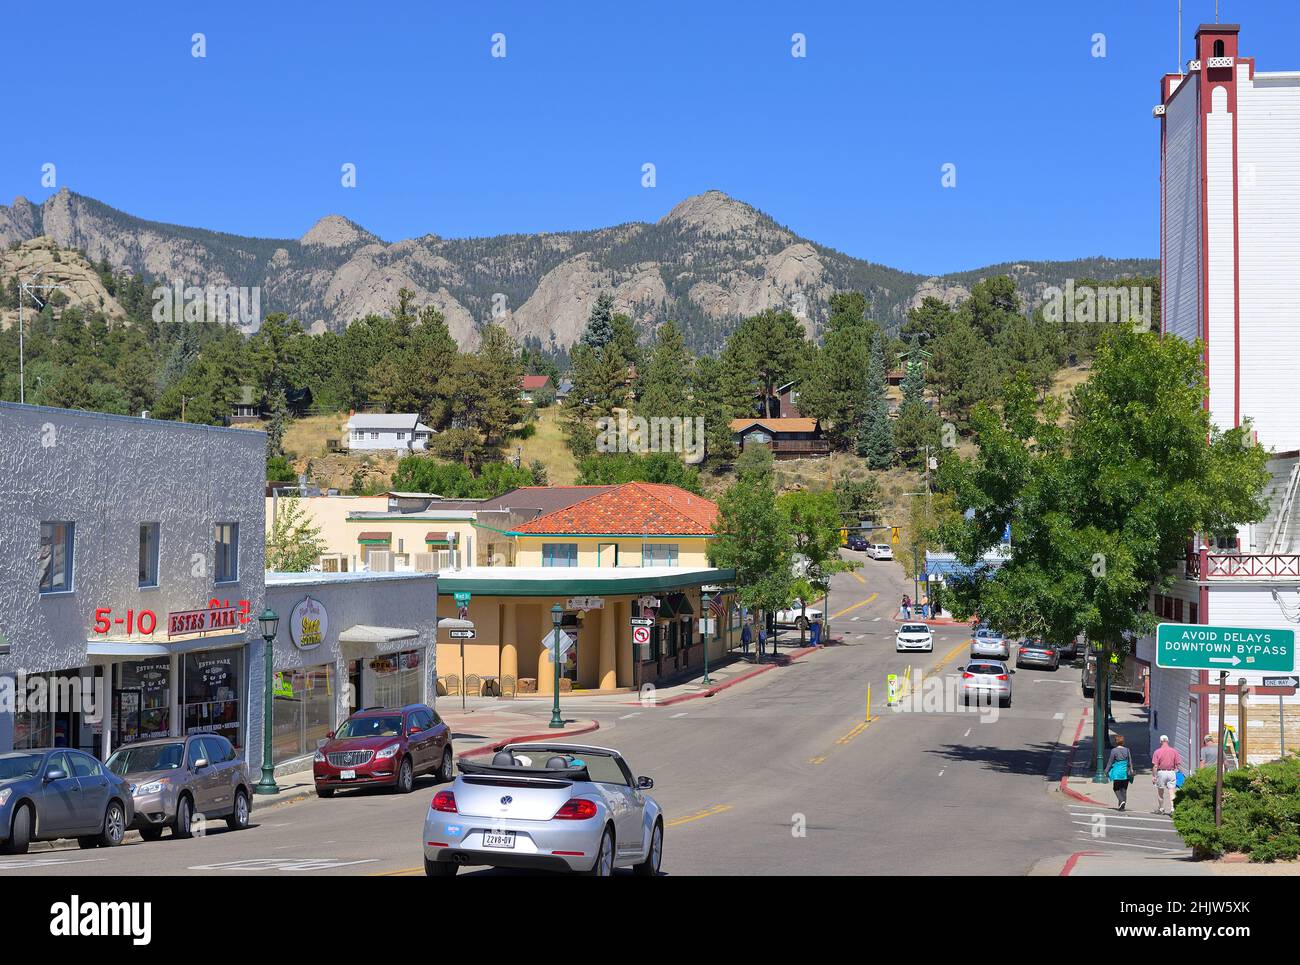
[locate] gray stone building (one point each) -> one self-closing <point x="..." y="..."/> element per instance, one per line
<point x="131" y="577"/>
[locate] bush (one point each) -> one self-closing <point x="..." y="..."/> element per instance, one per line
<point x="1261" y="811"/>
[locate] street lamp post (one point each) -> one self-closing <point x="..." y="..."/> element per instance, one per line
<point x="270" y="621"/>
<point x="557" y="615"/>
<point x="705" y="599"/>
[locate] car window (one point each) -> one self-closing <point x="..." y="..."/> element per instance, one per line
<point x="605" y="770"/>
<point x="60" y="761"/>
<point x="213" y="751"/>
<point x="221" y="748"/>
<point x="195" y="753"/>
<point x="914" y="628"/>
<point x="386" y="726"/>
<point x="984" y="668"/>
<point x="19" y="765"/>
<point x="437" y="721"/>
<point x="418" y="721"/>
<point x="83" y="765"/>
<point x="147" y="757"/>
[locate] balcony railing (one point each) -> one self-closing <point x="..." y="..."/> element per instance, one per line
<point x="1241" y="566"/>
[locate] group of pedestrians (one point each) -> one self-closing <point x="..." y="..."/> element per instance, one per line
<point x="747" y="637"/>
<point x="1166" y="771"/>
<point x="922" y="609"/>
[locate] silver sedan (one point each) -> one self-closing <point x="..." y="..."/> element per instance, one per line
<point x="558" y="807"/>
<point x="985" y="680"/>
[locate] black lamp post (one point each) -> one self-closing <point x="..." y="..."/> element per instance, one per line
<point x="270" y="621"/>
<point x="557" y="615"/>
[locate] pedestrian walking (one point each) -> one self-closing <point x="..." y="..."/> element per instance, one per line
<point x="1209" y="752"/>
<point x="907" y="607"/>
<point x="1119" y="768"/>
<point x="762" y="642"/>
<point x="746" y="637"/>
<point x="1166" y="762"/>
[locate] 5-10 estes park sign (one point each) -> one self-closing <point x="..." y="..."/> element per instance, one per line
<point x="1192" y="646"/>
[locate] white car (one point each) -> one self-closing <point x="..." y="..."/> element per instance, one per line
<point x="795" y="616"/>
<point x="880" y="551"/>
<point x="914" y="636"/>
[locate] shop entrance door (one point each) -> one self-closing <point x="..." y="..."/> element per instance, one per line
<point x="354" y="685"/>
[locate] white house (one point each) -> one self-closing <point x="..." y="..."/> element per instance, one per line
<point x="395" y="432"/>
<point x="1229" y="247"/>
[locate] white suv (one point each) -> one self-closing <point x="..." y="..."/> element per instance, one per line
<point x="914" y="636"/>
<point x="880" y="551"/>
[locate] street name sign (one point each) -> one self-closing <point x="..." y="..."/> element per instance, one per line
<point x="462" y="634"/>
<point x="642" y="622"/>
<point x="1192" y="646"/>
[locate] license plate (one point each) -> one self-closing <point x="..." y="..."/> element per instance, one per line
<point x="347" y="775"/>
<point x="499" y="839"/>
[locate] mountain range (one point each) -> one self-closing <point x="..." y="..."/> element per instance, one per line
<point x="708" y="262"/>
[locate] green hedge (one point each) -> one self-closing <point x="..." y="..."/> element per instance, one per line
<point x="1261" y="811"/>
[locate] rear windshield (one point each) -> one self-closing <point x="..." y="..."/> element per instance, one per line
<point x="149" y="757"/>
<point x="985" y="668"/>
<point x="984" y="632"/>
<point x="914" y="628"/>
<point x="371" y="727"/>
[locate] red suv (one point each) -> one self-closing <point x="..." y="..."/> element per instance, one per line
<point x="384" y="746"/>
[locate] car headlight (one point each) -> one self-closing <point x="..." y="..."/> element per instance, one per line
<point x="389" y="751"/>
<point x="319" y="756"/>
<point x="4" y="796"/>
<point x="153" y="787"/>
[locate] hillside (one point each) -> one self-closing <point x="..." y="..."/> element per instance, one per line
<point x="709" y="261"/>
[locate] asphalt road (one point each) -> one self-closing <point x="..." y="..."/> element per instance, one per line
<point x="780" y="774"/>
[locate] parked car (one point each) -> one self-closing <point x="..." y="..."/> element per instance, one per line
<point x="990" y="643"/>
<point x="173" y="779"/>
<point x="914" y="636"/>
<point x="379" y="746"/>
<point x="561" y="807"/>
<point x="1073" y="649"/>
<point x="856" y="542"/>
<point x="880" y="551"/>
<point x="797" y="616"/>
<point x="1036" y="652"/>
<point x="60" y="793"/>
<point x="985" y="680"/>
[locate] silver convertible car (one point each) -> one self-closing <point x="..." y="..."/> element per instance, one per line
<point x="557" y="807"/>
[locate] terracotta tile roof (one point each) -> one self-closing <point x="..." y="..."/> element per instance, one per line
<point x="776" y="425"/>
<point x="634" y="508"/>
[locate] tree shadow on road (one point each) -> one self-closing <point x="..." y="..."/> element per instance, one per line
<point x="1031" y="759"/>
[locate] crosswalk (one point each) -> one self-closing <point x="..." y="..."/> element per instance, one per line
<point x="1101" y="827"/>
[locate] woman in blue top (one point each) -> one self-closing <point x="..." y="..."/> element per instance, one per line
<point x="1119" y="767"/>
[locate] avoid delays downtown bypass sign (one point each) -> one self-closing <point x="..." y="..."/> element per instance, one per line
<point x="1191" y="646"/>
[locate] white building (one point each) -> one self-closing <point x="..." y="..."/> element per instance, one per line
<point x="1230" y="276"/>
<point x="393" y="432"/>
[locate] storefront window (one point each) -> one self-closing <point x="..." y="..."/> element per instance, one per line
<point x="211" y="685"/>
<point x="398" y="679"/>
<point x="51" y="712"/>
<point x="142" y="700"/>
<point x="303" y="711"/>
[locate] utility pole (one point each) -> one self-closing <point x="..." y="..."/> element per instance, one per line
<point x="28" y="287"/>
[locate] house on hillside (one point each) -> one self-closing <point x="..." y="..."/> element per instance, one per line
<point x="783" y="403"/>
<point x="251" y="407"/>
<point x="792" y="438"/>
<point x="399" y="432"/>
<point x="530" y="385"/>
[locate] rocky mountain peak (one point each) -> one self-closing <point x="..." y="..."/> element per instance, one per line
<point x="714" y="213"/>
<point x="336" y="231"/>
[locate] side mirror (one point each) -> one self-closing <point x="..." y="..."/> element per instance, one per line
<point x="644" y="783"/>
<point x="55" y="774"/>
<point x="329" y="736"/>
<point x="201" y="763"/>
<point x="413" y="731"/>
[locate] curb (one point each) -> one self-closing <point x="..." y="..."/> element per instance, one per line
<point x="932" y="621"/>
<point x="495" y="746"/>
<point x="793" y="656"/>
<point x="1065" y="777"/>
<point x="1073" y="859"/>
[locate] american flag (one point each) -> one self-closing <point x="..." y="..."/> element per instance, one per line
<point x="718" y="606"/>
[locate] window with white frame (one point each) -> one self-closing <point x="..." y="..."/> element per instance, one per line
<point x="659" y="554"/>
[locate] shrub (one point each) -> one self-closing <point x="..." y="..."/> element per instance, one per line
<point x="1261" y="811"/>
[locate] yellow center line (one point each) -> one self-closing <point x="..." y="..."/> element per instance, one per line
<point x="850" y="609"/>
<point x="858" y="576"/>
<point x="817" y="760"/>
<point x="401" y="872"/>
<point x="698" y="815"/>
<point x="949" y="655"/>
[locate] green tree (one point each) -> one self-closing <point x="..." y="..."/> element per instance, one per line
<point x="1101" y="509"/>
<point x="666" y="381"/>
<point x="917" y="430"/>
<point x="836" y="388"/>
<point x="813" y="521"/>
<point x="875" y="432"/>
<point x="752" y="535"/>
<point x="766" y="348"/>
<point x="612" y="468"/>
<point x="293" y="544"/>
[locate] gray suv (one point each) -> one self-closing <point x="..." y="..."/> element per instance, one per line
<point x="173" y="779"/>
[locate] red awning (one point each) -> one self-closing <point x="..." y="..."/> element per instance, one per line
<point x="439" y="537"/>
<point x="375" y="538"/>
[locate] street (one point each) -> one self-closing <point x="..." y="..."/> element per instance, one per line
<point x="779" y="774"/>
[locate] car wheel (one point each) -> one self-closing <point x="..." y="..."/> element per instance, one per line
<point x="151" y="834"/>
<point x="20" y="833"/>
<point x="325" y="792"/>
<point x="184" y="824"/>
<point x="114" y="826"/>
<point x="238" y="819"/>
<point x="405" y="777"/>
<point x="801" y="623"/>
<point x="650" y="866"/>
<point x="445" y="773"/>
<point x="603" y="866"/>
<point x="1004" y="702"/>
<point x="440" y="869"/>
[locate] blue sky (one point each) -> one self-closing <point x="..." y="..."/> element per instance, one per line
<point x="1055" y="150"/>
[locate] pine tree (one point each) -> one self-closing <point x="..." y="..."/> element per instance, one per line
<point x="600" y="323"/>
<point x="666" y="381"/>
<point x="918" y="426"/>
<point x="876" y="435"/>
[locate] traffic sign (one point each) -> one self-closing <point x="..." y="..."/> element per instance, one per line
<point x="1192" y="646"/>
<point x="894" y="534"/>
<point x="461" y="597"/>
<point x="566" y="642"/>
<point x="641" y="635"/>
<point x="462" y="634"/>
<point x="642" y="622"/>
<point x="1281" y="682"/>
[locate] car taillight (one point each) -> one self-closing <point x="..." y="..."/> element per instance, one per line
<point x="1002" y="676"/>
<point x="1024" y="649"/>
<point x="445" y="801"/>
<point x="967" y="676"/>
<point x="576" y="809"/>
